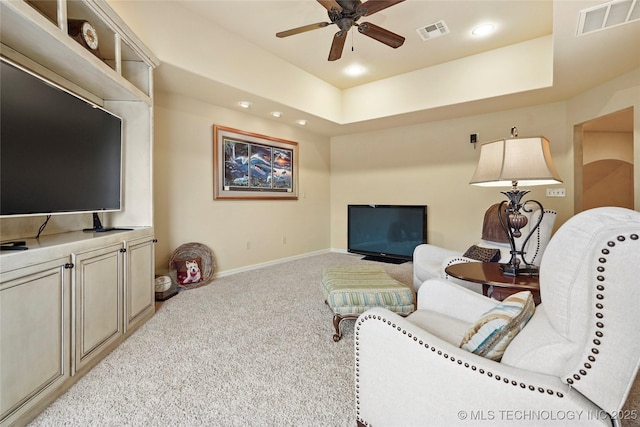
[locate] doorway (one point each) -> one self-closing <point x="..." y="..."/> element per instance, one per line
<point x="603" y="161"/>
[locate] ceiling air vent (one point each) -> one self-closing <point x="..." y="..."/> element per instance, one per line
<point x="607" y="15"/>
<point x="433" y="30"/>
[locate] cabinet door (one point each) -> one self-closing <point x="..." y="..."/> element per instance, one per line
<point x="139" y="282"/>
<point x="35" y="325"/>
<point x="98" y="303"/>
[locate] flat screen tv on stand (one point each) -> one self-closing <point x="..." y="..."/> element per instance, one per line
<point x="387" y="233"/>
<point x="60" y="154"/>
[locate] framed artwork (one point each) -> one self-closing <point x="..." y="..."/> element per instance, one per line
<point x="251" y="166"/>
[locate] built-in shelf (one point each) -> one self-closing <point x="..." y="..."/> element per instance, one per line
<point x="34" y="34"/>
<point x="34" y="29"/>
<point x="73" y="296"/>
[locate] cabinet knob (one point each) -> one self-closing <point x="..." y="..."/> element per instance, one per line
<point x="123" y="250"/>
<point x="155" y="240"/>
<point x="69" y="265"/>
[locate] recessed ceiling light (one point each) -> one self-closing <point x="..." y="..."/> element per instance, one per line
<point x="354" y="70"/>
<point x="301" y="122"/>
<point x="276" y="113"/>
<point x="244" y="104"/>
<point x="482" y="30"/>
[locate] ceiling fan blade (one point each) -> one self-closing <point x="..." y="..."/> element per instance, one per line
<point x="302" y="29"/>
<point x="337" y="45"/>
<point x="330" y="4"/>
<point x="372" y="6"/>
<point x="378" y="33"/>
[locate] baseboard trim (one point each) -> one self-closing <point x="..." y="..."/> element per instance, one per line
<point x="269" y="263"/>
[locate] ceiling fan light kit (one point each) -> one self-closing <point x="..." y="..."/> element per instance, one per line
<point x="345" y="14"/>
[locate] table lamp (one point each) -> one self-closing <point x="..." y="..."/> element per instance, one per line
<point x="509" y="162"/>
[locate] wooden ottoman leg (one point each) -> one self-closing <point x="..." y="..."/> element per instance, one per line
<point x="336" y="324"/>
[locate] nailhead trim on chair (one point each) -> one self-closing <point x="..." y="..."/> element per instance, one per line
<point x="600" y="288"/>
<point x="460" y="362"/>
<point x="537" y="252"/>
<point x="456" y="260"/>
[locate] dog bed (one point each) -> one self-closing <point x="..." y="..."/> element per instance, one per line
<point x="193" y="251"/>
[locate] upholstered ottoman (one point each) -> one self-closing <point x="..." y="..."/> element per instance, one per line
<point x="350" y="290"/>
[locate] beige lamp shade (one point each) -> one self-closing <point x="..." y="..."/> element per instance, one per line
<point x="524" y="160"/>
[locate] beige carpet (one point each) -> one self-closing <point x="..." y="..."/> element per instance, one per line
<point x="252" y="349"/>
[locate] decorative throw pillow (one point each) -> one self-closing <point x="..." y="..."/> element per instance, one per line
<point x="492" y="228"/>
<point x="482" y="254"/>
<point x="492" y="333"/>
<point x="188" y="270"/>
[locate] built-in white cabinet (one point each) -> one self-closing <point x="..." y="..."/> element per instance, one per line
<point x="35" y="331"/>
<point x="97" y="296"/>
<point x="139" y="299"/>
<point x="73" y="297"/>
<point x="65" y="303"/>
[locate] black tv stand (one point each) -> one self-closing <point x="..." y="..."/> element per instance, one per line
<point x="98" y="228"/>
<point x="388" y="260"/>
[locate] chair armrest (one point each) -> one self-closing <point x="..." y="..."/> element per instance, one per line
<point x="432" y="253"/>
<point x="405" y="376"/>
<point x="437" y="295"/>
<point x="427" y="260"/>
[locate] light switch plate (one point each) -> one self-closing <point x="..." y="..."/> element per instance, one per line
<point x="556" y="192"/>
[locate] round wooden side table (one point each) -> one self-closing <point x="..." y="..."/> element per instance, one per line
<point x="495" y="284"/>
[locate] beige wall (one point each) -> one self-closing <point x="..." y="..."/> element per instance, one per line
<point x="240" y="233"/>
<point x="613" y="96"/>
<point x="607" y="163"/>
<point x="607" y="145"/>
<point x="432" y="164"/>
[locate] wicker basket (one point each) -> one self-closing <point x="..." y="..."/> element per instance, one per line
<point x="190" y="251"/>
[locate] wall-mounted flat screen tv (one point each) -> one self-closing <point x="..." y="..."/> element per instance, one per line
<point x="58" y="153"/>
<point x="387" y="233"/>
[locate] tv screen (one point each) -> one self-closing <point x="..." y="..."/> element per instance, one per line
<point x="386" y="232"/>
<point x="58" y="153"/>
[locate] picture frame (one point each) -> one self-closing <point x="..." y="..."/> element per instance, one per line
<point x="252" y="166"/>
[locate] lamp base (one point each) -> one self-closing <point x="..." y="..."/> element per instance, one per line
<point x="516" y="270"/>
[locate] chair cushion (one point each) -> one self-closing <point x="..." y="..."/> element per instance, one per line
<point x="482" y="254"/>
<point x="492" y="333"/>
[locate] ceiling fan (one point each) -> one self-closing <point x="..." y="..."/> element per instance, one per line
<point x="345" y="14"/>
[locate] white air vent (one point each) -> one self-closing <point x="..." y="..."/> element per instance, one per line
<point x="434" y="30"/>
<point x="607" y="15"/>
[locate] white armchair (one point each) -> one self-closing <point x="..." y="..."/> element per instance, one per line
<point x="430" y="261"/>
<point x="573" y="363"/>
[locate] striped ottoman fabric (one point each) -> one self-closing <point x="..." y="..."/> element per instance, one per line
<point x="350" y="290"/>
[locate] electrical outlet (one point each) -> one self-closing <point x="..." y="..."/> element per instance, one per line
<point x="556" y="192"/>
